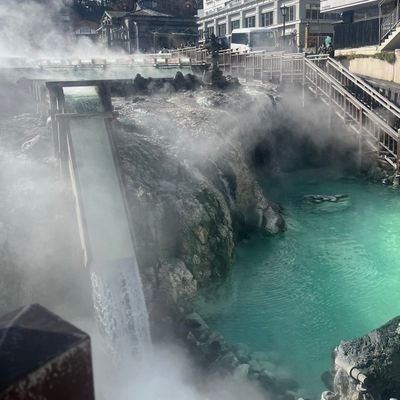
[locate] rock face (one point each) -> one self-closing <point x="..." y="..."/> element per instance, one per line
<point x="221" y="358"/>
<point x="191" y="189"/>
<point x="377" y="356"/>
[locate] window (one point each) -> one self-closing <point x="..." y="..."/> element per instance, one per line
<point x="240" y="38"/>
<point x="209" y="31"/>
<point x="201" y="34"/>
<point x="312" y="11"/>
<point x="331" y="16"/>
<point x="221" y="30"/>
<point x="267" y="18"/>
<point x="235" y="24"/>
<point x="262" y="39"/>
<point x="291" y="13"/>
<point x="250" y="22"/>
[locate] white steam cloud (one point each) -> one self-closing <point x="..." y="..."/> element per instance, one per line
<point x="40" y="29"/>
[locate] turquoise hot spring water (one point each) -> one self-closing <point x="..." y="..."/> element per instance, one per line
<point x="333" y="275"/>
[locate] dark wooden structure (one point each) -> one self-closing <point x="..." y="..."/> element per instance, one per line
<point x="356" y="34"/>
<point x="146" y="30"/>
<point x="43" y="357"/>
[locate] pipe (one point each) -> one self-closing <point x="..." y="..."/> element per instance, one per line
<point x="356" y="374"/>
<point x="352" y="371"/>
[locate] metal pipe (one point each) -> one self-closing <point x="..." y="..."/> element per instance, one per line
<point x="352" y="371"/>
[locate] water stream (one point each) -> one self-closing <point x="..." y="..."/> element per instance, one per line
<point x="333" y="275"/>
<point x="106" y="234"/>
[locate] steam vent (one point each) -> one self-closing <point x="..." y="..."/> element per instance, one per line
<point x="43" y="356"/>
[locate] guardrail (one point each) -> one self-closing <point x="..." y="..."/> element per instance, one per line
<point x="359" y="117"/>
<point x="364" y="109"/>
<point x="389" y="22"/>
<point x="366" y="94"/>
<point x="147" y="60"/>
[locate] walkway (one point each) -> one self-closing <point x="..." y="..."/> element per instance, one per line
<point x="374" y="118"/>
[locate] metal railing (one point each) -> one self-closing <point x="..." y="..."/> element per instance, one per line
<point x="361" y="90"/>
<point x="389" y="22"/>
<point x="196" y="54"/>
<point x="354" y="113"/>
<point x="373" y="117"/>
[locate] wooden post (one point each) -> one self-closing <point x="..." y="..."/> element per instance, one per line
<point x="397" y="153"/>
<point x="304" y="83"/>
<point x="262" y="69"/>
<point x="53" y="111"/>
<point x="330" y="107"/>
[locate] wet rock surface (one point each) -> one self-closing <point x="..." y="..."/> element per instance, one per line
<point x="377" y="356"/>
<point x="191" y="188"/>
<point x="221" y="358"/>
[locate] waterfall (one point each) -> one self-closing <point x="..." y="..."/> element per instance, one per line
<point x="120" y="307"/>
<point x="106" y="234"/>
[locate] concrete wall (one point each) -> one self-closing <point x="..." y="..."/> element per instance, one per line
<point x="376" y="69"/>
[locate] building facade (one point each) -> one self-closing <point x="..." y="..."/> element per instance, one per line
<point x="304" y="23"/>
<point x="145" y="30"/>
<point x="177" y="8"/>
<point x="364" y="23"/>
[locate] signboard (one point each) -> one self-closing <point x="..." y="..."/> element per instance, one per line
<point x="344" y="5"/>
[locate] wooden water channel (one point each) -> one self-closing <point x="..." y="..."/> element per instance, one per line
<point x="374" y="118"/>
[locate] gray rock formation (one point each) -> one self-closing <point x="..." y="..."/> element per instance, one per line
<point x="377" y="357"/>
<point x="191" y="189"/>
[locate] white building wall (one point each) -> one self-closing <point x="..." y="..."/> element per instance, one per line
<point x="213" y="5"/>
<point x="343" y="5"/>
<point x="217" y="12"/>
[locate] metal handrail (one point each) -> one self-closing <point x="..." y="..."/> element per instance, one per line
<point x="367" y="112"/>
<point x="334" y="84"/>
<point x="361" y="84"/>
<point x="382" y="100"/>
<point x="389" y="22"/>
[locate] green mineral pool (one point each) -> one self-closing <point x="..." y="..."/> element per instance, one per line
<point x="333" y="275"/>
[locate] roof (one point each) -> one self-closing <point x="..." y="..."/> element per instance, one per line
<point x="116" y="14"/>
<point x="147" y="12"/>
<point x="29" y="338"/>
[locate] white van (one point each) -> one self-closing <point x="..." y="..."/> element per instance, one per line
<point x="253" y="39"/>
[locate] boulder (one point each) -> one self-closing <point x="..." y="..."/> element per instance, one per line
<point x="227" y="361"/>
<point x="176" y="280"/>
<point x="241" y="371"/>
<point x="194" y="322"/>
<point x="328" y="395"/>
<point x="377" y="356"/>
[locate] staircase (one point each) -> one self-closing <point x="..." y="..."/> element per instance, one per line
<point x="364" y="110"/>
<point x="372" y="116"/>
<point x="390" y="29"/>
<point x="392" y="41"/>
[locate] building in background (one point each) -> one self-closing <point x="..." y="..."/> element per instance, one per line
<point x="176" y="8"/>
<point x="305" y="25"/>
<point x="365" y="23"/>
<point x="146" y="30"/>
